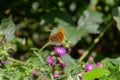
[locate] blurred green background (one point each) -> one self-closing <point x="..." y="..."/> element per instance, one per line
<point x="82" y="20"/>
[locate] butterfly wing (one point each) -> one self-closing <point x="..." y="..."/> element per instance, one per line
<point x="57" y="37"/>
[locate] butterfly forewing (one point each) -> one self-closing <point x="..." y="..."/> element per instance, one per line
<point x="57" y="37"/>
<point x="60" y="37"/>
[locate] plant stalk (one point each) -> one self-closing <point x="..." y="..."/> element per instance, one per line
<point x="51" y="77"/>
<point x="45" y="46"/>
<point x="14" y="60"/>
<point x="96" y="40"/>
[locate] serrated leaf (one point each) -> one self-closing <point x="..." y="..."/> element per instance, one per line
<point x="106" y="62"/>
<point x="97" y="72"/>
<point x="116" y="16"/>
<point x="116" y="61"/>
<point x="8" y="28"/>
<point x="73" y="34"/>
<point x="70" y="63"/>
<point x="90" y="21"/>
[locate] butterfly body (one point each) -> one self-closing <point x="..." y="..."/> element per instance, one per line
<point x="57" y="37"/>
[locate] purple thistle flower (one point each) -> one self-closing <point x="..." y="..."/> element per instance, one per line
<point x="3" y="62"/>
<point x="56" y="75"/>
<point x="62" y="63"/>
<point x="60" y="50"/>
<point x="80" y="75"/>
<point x="50" y="60"/>
<point x="89" y="66"/>
<point x="90" y="58"/>
<point x="35" y="74"/>
<point x="99" y="64"/>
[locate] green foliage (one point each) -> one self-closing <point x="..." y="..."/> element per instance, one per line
<point x="8" y="28"/>
<point x="71" y="65"/>
<point x="80" y="19"/>
<point x="113" y="66"/>
<point x="116" y="61"/>
<point x="116" y="16"/>
<point x="96" y="73"/>
<point x="90" y="21"/>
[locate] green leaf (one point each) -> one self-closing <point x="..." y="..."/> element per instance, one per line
<point x="70" y="63"/>
<point x="116" y="61"/>
<point x="106" y="62"/>
<point x="8" y="28"/>
<point x="73" y="34"/>
<point x="116" y="16"/>
<point x="113" y="66"/>
<point x="89" y="21"/>
<point x="97" y="72"/>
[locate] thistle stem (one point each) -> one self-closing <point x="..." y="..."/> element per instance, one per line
<point x="96" y="40"/>
<point x="51" y="77"/>
<point x="77" y="77"/>
<point x="39" y="51"/>
<point x="14" y="60"/>
<point x="69" y="77"/>
<point x="45" y="46"/>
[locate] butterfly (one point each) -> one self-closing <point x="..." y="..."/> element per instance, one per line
<point x="58" y="37"/>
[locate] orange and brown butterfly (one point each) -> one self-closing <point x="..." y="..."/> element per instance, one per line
<point x="58" y="37"/>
